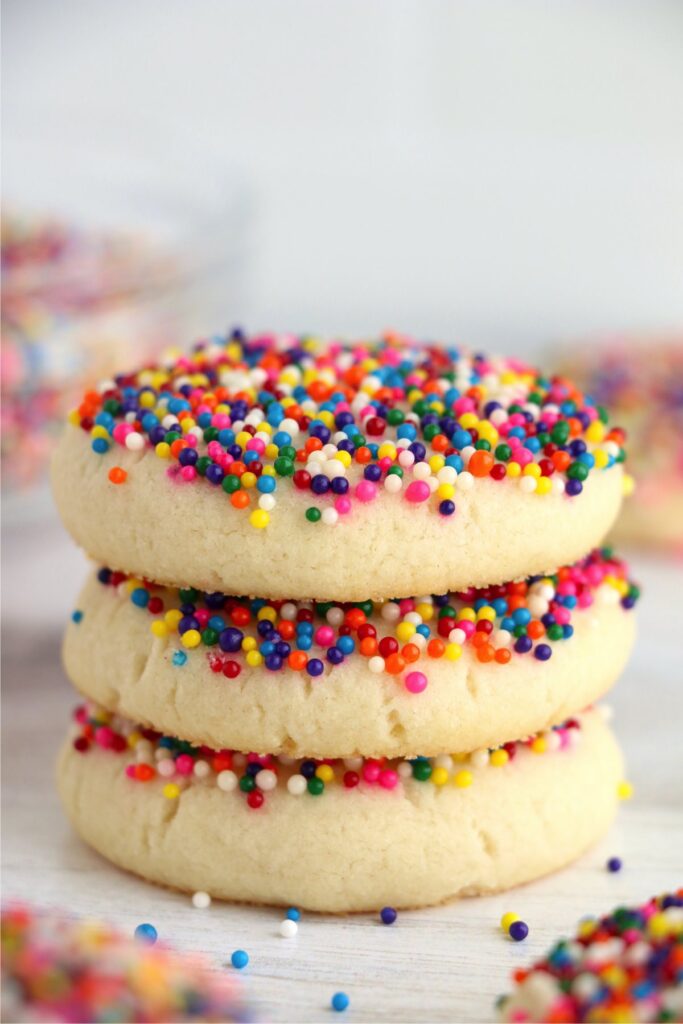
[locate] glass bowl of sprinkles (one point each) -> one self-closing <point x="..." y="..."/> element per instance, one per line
<point x="103" y="265"/>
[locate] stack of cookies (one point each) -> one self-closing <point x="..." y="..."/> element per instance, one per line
<point x="401" y="708"/>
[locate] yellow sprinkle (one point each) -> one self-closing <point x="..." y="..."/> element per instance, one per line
<point x="532" y="469"/>
<point x="191" y="638"/>
<point x="487" y="612"/>
<point x="159" y="628"/>
<point x="499" y="757"/>
<point x="99" y="431"/>
<point x="267" y="612"/>
<point x="147" y="399"/>
<point x="513" y="469"/>
<point x="325" y="772"/>
<point x="587" y="927"/>
<point x="268" y="470"/>
<point x="628" y="484"/>
<point x="259" y="518"/>
<point x="271" y="451"/>
<point x="426" y="611"/>
<point x="469" y="614"/>
<point x="601" y="458"/>
<point x="624" y="790"/>
<point x="74" y="418"/>
<point x="468" y="420"/>
<point x="544" y="485"/>
<point x="386" y="451"/>
<point x="463" y="779"/>
<point x="439" y="776"/>
<point x="404" y="631"/>
<point x="508" y="919"/>
<point x="436" y="462"/>
<point x="171" y="791"/>
<point x="254" y="658"/>
<point x="248" y="480"/>
<point x="172" y="618"/>
<point x="539" y="745"/>
<point x="344" y="458"/>
<point x="452" y="652"/>
<point x="595" y="432"/>
<point x="187" y="424"/>
<point x="163" y="450"/>
<point x="487" y="432"/>
<point x="445" y="491"/>
<point x="134" y="738"/>
<point x="327" y="418"/>
<point x="249" y="643"/>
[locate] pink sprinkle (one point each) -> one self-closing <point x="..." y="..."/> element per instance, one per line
<point x="406" y="605"/>
<point x="188" y="472"/>
<point x="417" y="491"/>
<point x="121" y="432"/>
<point x="104" y="736"/>
<point x="366" y="490"/>
<point x="221" y="421"/>
<point x="343" y="505"/>
<point x="256" y="445"/>
<point x="202" y="615"/>
<point x="388" y="778"/>
<point x="324" y="636"/>
<point x="130" y="771"/>
<point x="191" y="440"/>
<point x="466" y="626"/>
<point x="371" y="771"/>
<point x="416" y="682"/>
<point x="184" y="764"/>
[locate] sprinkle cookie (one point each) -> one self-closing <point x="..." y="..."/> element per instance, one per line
<point x="450" y="672"/>
<point x="289" y="468"/>
<point x="262" y="829"/>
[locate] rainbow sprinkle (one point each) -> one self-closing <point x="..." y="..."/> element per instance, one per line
<point x="179" y="763"/>
<point x="627" y="966"/>
<point x="342" y="423"/>
<point x="495" y="623"/>
<point x="59" y="968"/>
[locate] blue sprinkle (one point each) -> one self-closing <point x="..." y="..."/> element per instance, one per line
<point x="100" y="445"/>
<point x="77" y="616"/>
<point x="146" y="933"/>
<point x="179" y="657"/>
<point x="614" y="864"/>
<point x="293" y="914"/>
<point x="340" y="1001"/>
<point x="239" y="959"/>
<point x="388" y="915"/>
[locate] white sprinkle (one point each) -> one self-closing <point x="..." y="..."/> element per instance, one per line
<point x="266" y="780"/>
<point x="226" y="780"/>
<point x="376" y="664"/>
<point x="288" y="929"/>
<point x="296" y="784"/>
<point x="464" y="481"/>
<point x="330" y="516"/>
<point x="201" y="900"/>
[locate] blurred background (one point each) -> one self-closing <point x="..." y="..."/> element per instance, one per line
<point x="505" y="174"/>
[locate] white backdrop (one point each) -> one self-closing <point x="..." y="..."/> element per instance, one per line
<point x="504" y="172"/>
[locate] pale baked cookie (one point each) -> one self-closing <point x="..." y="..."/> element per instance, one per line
<point x="321" y="680"/>
<point x="335" y="836"/>
<point x="292" y="468"/>
<point x="625" y="966"/>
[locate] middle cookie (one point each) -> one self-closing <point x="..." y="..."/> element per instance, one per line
<point x="451" y="672"/>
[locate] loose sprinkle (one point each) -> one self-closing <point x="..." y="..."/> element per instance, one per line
<point x="118" y="475"/>
<point x="201" y="900"/>
<point x="340" y="1001"/>
<point x="77" y="616"/>
<point x="288" y="928"/>
<point x="346" y="424"/>
<point x="178" y="763"/>
<point x="507" y="920"/>
<point x="622" y="967"/>
<point x="293" y="914"/>
<point x="388" y="915"/>
<point x="494" y="624"/>
<point x="614" y="864"/>
<point x="146" y="933"/>
<point x="518" y="931"/>
<point x="239" y="959"/>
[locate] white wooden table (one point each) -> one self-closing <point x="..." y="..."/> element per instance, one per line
<point x="446" y="964"/>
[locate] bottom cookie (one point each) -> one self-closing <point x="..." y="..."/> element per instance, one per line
<point x="338" y="836"/>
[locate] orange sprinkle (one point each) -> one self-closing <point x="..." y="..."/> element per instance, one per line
<point x="118" y="475"/>
<point x="239" y="499"/>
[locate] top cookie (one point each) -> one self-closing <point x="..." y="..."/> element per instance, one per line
<point x="287" y="467"/>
